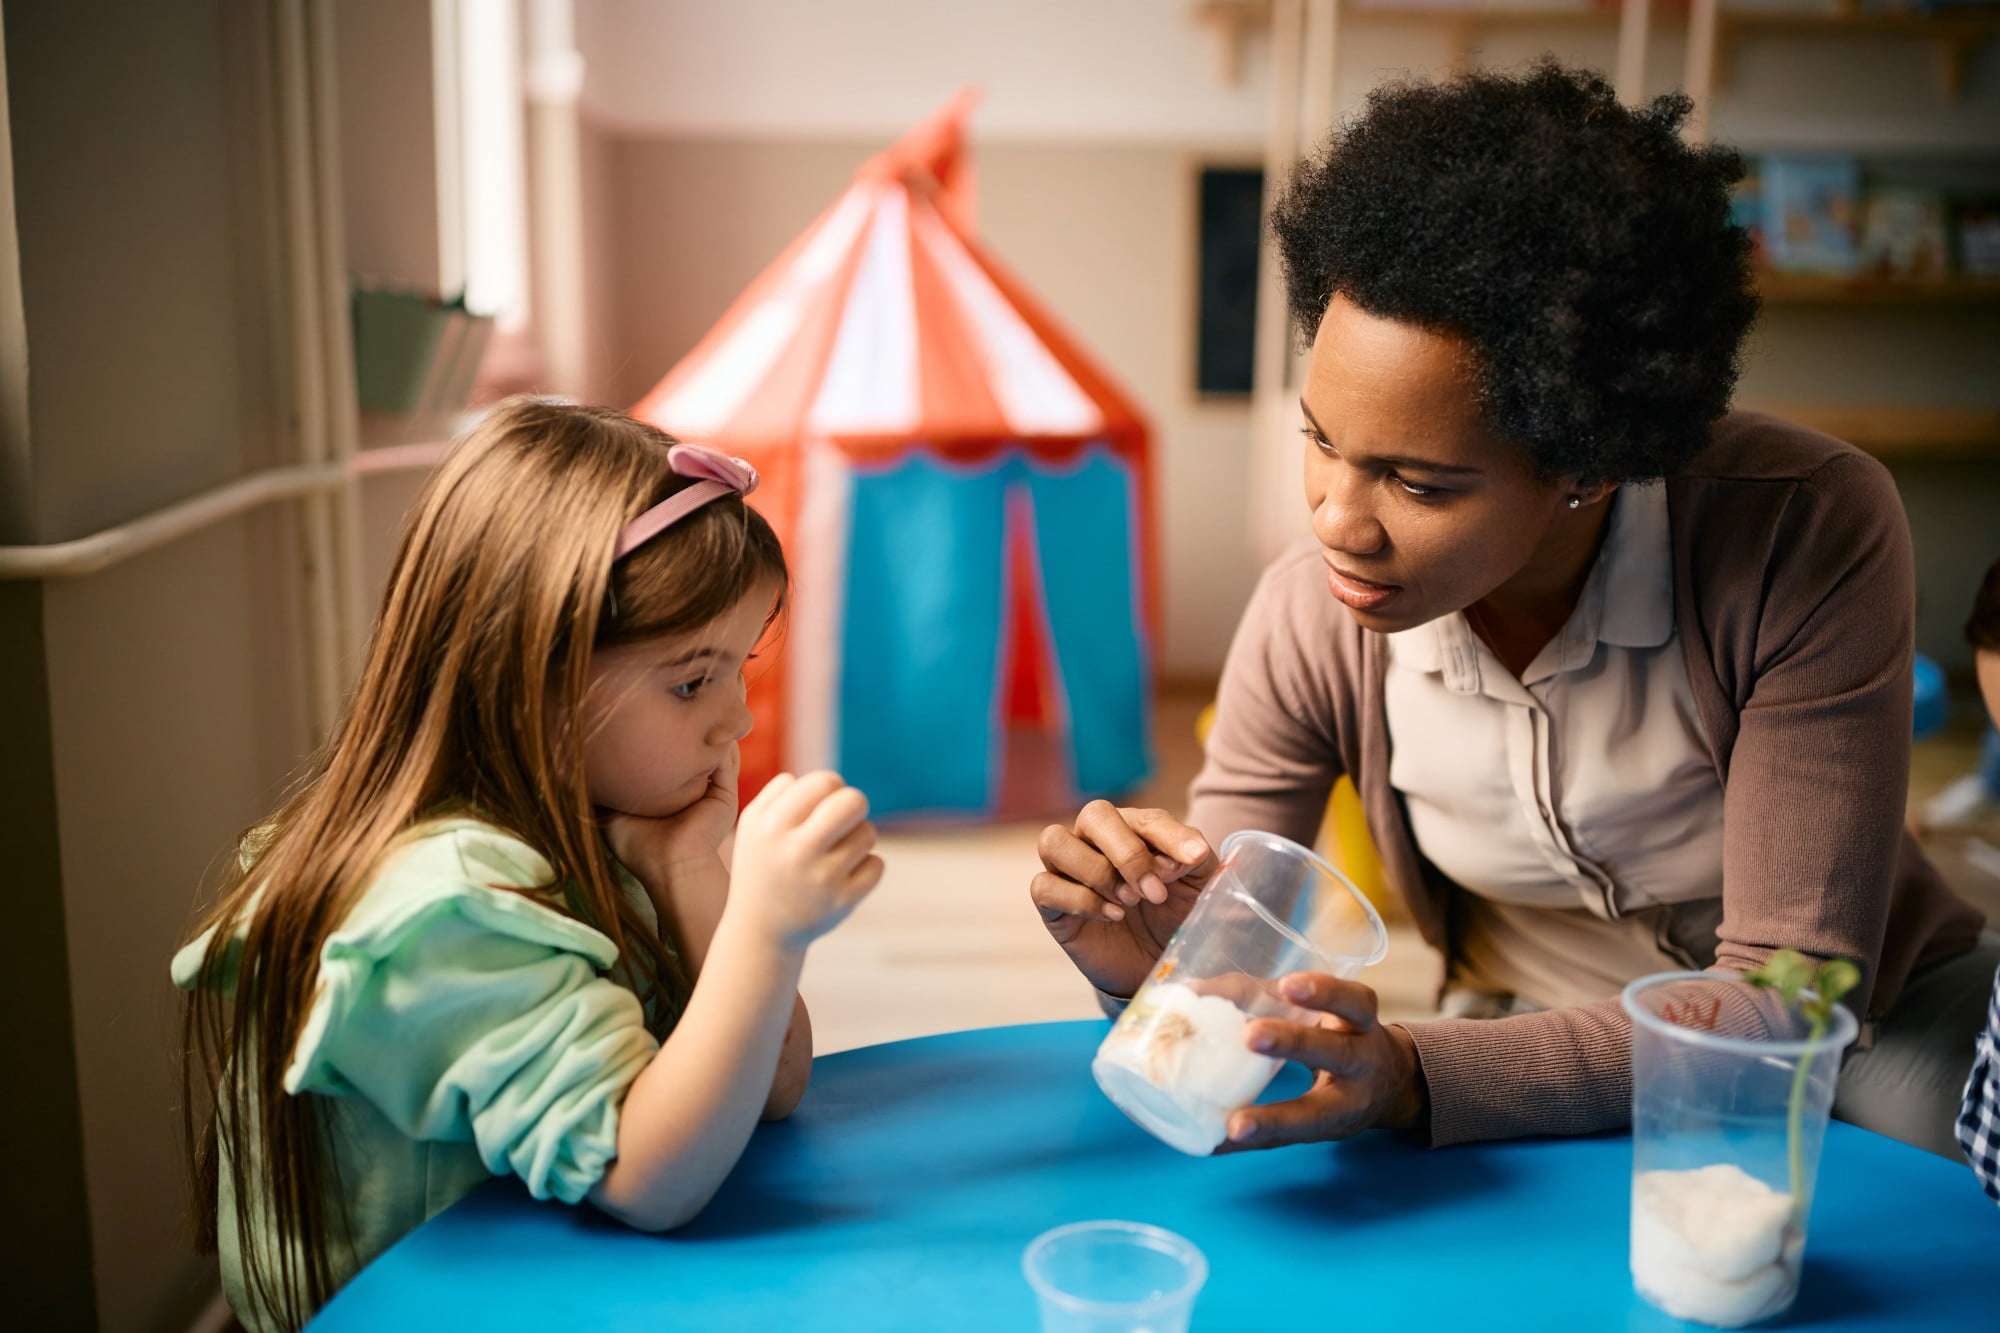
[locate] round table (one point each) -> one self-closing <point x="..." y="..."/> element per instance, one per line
<point x="901" y="1194"/>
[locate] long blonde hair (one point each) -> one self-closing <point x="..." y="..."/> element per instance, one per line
<point x="502" y="588"/>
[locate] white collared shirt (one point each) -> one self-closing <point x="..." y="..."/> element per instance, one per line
<point x="1584" y="785"/>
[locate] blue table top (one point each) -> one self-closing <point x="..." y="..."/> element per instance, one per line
<point x="902" y="1192"/>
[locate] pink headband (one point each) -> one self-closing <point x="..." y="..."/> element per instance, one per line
<point x="717" y="475"/>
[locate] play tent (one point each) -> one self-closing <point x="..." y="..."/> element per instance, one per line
<point x="961" y="491"/>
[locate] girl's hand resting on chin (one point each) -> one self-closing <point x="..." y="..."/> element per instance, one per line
<point x="653" y="849"/>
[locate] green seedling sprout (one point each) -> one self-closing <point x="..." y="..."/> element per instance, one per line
<point x="1812" y="989"/>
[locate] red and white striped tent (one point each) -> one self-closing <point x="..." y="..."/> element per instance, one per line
<point x="961" y="490"/>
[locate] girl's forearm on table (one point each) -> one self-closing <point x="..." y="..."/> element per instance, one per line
<point x="794" y="1064"/>
<point x="689" y="1114"/>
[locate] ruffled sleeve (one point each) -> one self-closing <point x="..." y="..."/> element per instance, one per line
<point x="468" y="1012"/>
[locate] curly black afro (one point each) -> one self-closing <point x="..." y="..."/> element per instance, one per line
<point x="1581" y="248"/>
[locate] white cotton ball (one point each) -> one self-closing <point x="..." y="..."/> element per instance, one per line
<point x="1219" y="1069"/>
<point x="1714" y="1244"/>
<point x="1177" y="1064"/>
<point x="1717" y="1219"/>
<point x="1687" y="1294"/>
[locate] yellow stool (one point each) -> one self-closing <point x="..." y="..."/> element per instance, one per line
<point x="1344" y="838"/>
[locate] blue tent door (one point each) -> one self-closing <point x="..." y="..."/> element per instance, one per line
<point x="923" y="629"/>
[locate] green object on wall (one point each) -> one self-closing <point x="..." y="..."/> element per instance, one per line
<point x="399" y="336"/>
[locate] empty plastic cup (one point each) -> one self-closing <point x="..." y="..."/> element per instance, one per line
<point x="1730" y="1093"/>
<point x="1176" y="1061"/>
<point x="1114" y="1277"/>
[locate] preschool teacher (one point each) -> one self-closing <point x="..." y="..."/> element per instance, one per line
<point x="1622" y="676"/>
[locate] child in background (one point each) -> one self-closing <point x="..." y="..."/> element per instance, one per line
<point x="1979" y="1122"/>
<point x="501" y="926"/>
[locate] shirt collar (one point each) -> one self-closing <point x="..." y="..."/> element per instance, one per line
<point x="1637" y="563"/>
<point x="1444" y="646"/>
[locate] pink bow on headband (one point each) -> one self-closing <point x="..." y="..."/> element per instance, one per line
<point x="716" y="475"/>
<point x="698" y="460"/>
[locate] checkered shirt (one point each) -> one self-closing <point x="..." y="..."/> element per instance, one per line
<point x="1979" y="1121"/>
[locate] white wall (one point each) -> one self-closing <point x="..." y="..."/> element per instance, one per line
<point x="1050" y="69"/>
<point x="389" y="144"/>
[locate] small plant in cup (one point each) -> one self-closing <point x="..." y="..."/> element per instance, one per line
<point x="1812" y="989"/>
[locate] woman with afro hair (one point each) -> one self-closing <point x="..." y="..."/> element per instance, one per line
<point x="1623" y="676"/>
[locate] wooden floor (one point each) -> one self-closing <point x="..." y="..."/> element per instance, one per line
<point x="949" y="940"/>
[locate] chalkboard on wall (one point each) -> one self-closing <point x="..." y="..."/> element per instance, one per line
<point x="1231" y="212"/>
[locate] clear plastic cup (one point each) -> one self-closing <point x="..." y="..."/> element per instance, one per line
<point x="1730" y="1095"/>
<point x="1176" y="1061"/>
<point x="1114" y="1277"/>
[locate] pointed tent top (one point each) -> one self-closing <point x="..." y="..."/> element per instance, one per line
<point x="934" y="147"/>
<point x="887" y="326"/>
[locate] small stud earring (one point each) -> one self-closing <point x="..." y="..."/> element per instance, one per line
<point x="1576" y="502"/>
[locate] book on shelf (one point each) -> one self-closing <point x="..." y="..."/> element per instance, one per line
<point x="1903" y="235"/>
<point x="1976" y="236"/>
<point x="1746" y="210"/>
<point x="1811" y="210"/>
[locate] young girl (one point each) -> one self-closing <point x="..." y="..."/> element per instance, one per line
<point x="501" y="926"/>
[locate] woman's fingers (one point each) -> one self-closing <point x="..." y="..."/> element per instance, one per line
<point x="1182" y="880"/>
<point x="1336" y="1052"/>
<point x="1126" y="856"/>
<point x="1057" y="897"/>
<point x="1104" y="826"/>
<point x="1076" y="860"/>
<point x="1327" y="1112"/>
<point x="1173" y="840"/>
<point x="1349" y="1001"/>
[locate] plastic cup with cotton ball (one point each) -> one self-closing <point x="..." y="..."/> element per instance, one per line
<point x="1731" y="1085"/>
<point x="1177" y="1061"/>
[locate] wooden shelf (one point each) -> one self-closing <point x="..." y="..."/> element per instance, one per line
<point x="1462" y="24"/>
<point x="1892" y="433"/>
<point x="1955" y="35"/>
<point x="1970" y="28"/>
<point x="1952" y="26"/>
<point x="1780" y="289"/>
<point x="1497" y="16"/>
